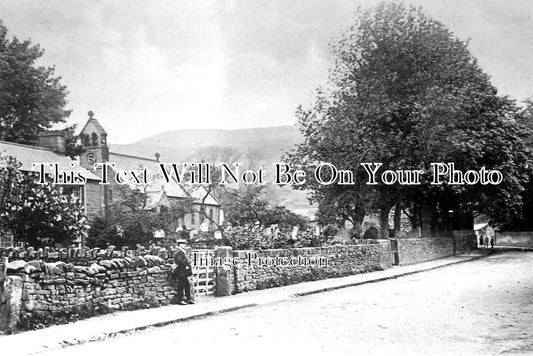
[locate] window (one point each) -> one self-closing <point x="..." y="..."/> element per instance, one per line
<point x="86" y="140"/>
<point x="94" y="139"/>
<point x="75" y="191"/>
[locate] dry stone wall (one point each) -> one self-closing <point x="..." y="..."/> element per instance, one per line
<point x="56" y="281"/>
<point x="514" y="238"/>
<point x="415" y="250"/>
<point x="59" y="287"/>
<point x="266" y="269"/>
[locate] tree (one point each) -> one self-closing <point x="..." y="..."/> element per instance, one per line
<point x="130" y="220"/>
<point x="40" y="215"/>
<point x="405" y="92"/>
<point x="248" y="207"/>
<point x="524" y="221"/>
<point x="32" y="99"/>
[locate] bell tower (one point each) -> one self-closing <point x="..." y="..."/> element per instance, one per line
<point x="94" y="142"/>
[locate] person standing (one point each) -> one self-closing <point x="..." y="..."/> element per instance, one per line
<point x="181" y="275"/>
<point x="490" y="234"/>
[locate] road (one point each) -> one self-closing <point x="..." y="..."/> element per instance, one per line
<point x="474" y="308"/>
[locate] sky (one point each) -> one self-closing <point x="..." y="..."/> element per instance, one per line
<point x="154" y="66"/>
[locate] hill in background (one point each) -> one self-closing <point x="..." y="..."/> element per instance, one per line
<point x="267" y="144"/>
<point x="179" y="145"/>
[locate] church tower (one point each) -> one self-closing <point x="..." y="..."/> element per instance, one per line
<point x="94" y="142"/>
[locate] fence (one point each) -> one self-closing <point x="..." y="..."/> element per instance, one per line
<point x="204" y="272"/>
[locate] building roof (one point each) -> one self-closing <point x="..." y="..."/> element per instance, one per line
<point x="130" y="162"/>
<point x="200" y="195"/>
<point x="183" y="191"/>
<point x="95" y="123"/>
<point x="153" y="199"/>
<point x="29" y="155"/>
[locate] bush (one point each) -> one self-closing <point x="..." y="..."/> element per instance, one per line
<point x="245" y="238"/>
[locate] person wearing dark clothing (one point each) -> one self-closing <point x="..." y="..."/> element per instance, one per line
<point x="492" y="242"/>
<point x="481" y="241"/>
<point x="181" y="275"/>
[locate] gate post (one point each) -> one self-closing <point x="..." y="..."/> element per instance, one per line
<point x="394" y="251"/>
<point x="224" y="273"/>
<point x="3" y="275"/>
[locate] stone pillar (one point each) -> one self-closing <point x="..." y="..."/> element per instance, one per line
<point x="188" y="254"/>
<point x="224" y="273"/>
<point x="425" y="228"/>
<point x="3" y="276"/>
<point x="10" y="303"/>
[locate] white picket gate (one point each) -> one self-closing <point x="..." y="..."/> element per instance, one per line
<point x="204" y="274"/>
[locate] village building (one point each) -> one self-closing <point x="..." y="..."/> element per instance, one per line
<point x="51" y="150"/>
<point x="206" y="213"/>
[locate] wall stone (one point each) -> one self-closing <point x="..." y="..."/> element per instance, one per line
<point x="10" y="302"/>
<point x="514" y="238"/>
<point x="466" y="240"/>
<point x="416" y="250"/>
<point x="94" y="200"/>
<point x="310" y="264"/>
<point x="117" y="283"/>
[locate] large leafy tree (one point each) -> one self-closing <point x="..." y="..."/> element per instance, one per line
<point x="406" y="92"/>
<point x="32" y="98"/>
<point x="40" y="215"/>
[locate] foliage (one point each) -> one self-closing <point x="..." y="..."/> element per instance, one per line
<point x="309" y="239"/>
<point x="130" y="221"/>
<point x="73" y="148"/>
<point x="248" y="206"/>
<point x="256" y="238"/>
<point x="38" y="214"/>
<point x="246" y="238"/>
<point x="32" y="99"/>
<point x="405" y="92"/>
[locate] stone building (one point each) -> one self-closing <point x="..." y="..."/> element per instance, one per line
<point x="51" y="149"/>
<point x="97" y="197"/>
<point x="207" y="211"/>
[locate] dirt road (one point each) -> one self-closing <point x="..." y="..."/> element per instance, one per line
<point x="481" y="307"/>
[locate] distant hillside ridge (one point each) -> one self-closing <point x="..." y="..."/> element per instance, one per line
<point x="178" y="145"/>
<point x="267" y="143"/>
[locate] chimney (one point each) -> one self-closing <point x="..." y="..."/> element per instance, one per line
<point x="53" y="140"/>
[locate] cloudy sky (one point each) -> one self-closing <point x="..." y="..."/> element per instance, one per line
<point x="153" y="66"/>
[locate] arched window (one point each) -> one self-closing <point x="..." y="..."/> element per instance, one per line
<point x="86" y="140"/>
<point x="94" y="137"/>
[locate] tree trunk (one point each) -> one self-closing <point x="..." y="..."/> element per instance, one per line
<point x="384" y="222"/>
<point x="397" y="217"/>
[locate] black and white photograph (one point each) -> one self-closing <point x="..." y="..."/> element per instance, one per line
<point x="266" y="177"/>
